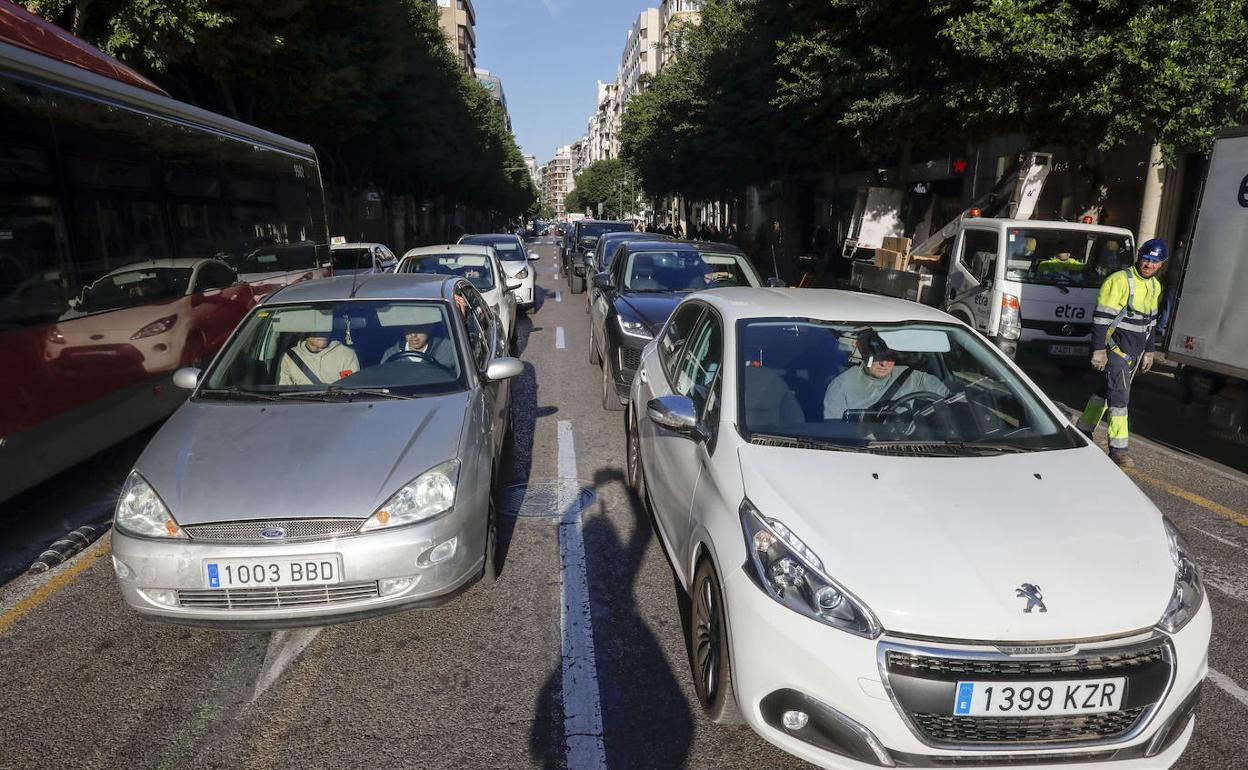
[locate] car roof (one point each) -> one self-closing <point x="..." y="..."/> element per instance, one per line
<point x="450" y="248"/>
<point x="1039" y="224"/>
<point x="657" y="244"/>
<point x="735" y="303"/>
<point x="353" y="245"/>
<point x="383" y="286"/>
<point x="717" y="246"/>
<point x="496" y="236"/>
<point x="185" y="262"/>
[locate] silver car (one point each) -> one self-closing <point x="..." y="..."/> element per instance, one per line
<point x="336" y="461"/>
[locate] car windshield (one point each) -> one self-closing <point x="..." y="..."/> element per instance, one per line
<point x="474" y="267"/>
<point x="379" y="348"/>
<point x="596" y="229"/>
<point x="1065" y="257"/>
<point x="507" y="246"/>
<point x="920" y="387"/>
<point x="134" y="287"/>
<point x="352" y="259"/>
<point x="664" y="271"/>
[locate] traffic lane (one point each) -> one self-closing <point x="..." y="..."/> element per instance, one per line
<point x="98" y="687"/>
<point x="651" y="716"/>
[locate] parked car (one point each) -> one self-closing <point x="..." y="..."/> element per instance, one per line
<point x="646" y="281"/>
<point x="515" y="259"/>
<point x="361" y="258"/>
<point x="585" y="235"/>
<point x="941" y="573"/>
<point x="327" y="466"/>
<point x="481" y="266"/>
<point x="599" y="260"/>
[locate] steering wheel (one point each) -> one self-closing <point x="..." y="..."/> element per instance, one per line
<point x="910" y="402"/>
<point x="418" y="357"/>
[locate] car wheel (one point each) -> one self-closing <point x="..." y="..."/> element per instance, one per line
<point x="708" y="647"/>
<point x="594" y="357"/>
<point x="610" y="399"/>
<point x="489" y="573"/>
<point x="578" y="284"/>
<point x="636" y="473"/>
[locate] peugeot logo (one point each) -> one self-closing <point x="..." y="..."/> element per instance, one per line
<point x="277" y="533"/>
<point x="1032" y="594"/>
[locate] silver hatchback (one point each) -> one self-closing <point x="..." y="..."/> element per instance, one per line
<point x="337" y="460"/>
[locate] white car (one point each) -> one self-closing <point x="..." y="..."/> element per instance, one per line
<point x="515" y="259"/>
<point x="899" y="553"/>
<point x="361" y="258"/>
<point x="480" y="265"/>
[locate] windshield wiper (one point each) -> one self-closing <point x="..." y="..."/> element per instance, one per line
<point x="236" y="393"/>
<point x="793" y="442"/>
<point x="943" y="448"/>
<point x="337" y="391"/>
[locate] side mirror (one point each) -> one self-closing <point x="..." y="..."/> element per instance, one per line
<point x="603" y="281"/>
<point x="534" y="256"/>
<point x="187" y="377"/>
<point x="503" y="368"/>
<point x="676" y="413"/>
<point x="775" y="283"/>
<point x="513" y="284"/>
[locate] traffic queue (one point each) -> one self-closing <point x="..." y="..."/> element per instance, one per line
<point x="889" y="615"/>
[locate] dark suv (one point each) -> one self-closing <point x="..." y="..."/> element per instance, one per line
<point x="585" y="234"/>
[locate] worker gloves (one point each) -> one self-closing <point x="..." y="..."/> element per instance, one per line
<point x="1100" y="359"/>
<point x="1146" y="363"/>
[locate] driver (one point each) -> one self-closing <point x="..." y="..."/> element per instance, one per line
<point x="878" y="379"/>
<point x="1062" y="263"/>
<point x="317" y="360"/>
<point x="419" y="339"/>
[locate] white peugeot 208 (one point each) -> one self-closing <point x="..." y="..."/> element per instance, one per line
<point x="898" y="552"/>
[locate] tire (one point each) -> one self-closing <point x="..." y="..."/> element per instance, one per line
<point x="578" y="284"/>
<point x="610" y="400"/>
<point x="709" y="658"/>
<point x="489" y="571"/>
<point x="636" y="472"/>
<point x="594" y="357"/>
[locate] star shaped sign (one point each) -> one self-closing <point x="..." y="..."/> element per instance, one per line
<point x="959" y="166"/>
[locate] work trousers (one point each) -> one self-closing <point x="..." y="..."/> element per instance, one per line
<point x="1114" y="395"/>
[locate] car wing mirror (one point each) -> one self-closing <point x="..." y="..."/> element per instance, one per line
<point x="187" y="377"/>
<point x="677" y="414"/>
<point x="503" y="368"/>
<point x="534" y="256"/>
<point x="514" y="283"/>
<point x="604" y="281"/>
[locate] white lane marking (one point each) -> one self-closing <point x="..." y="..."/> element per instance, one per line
<point x="1224" y="683"/>
<point x="558" y="296"/>
<point x="582" y="708"/>
<point x="1219" y="538"/>
<point x="284" y="647"/>
<point x="560" y="342"/>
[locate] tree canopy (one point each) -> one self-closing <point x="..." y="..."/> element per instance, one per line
<point x="609" y="183"/>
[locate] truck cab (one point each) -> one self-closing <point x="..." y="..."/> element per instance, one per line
<point x="1030" y="285"/>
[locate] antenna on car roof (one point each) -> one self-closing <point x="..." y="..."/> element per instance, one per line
<point x="355" y="278"/>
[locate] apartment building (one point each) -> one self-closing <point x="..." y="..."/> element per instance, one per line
<point x="641" y="53"/>
<point x="458" y="21"/>
<point x="603" y="129"/>
<point x="494" y="84"/>
<point x="672" y="15"/>
<point x="557" y="178"/>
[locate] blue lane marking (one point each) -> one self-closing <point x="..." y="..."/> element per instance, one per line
<point x="965" y="692"/>
<point x="214" y="579"/>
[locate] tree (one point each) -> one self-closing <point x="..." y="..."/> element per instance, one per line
<point x="607" y="183"/>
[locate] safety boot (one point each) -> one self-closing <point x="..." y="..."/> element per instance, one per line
<point x="1121" y="457"/>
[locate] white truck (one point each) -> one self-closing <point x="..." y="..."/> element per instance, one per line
<point x="1028" y="285"/>
<point x="1208" y="331"/>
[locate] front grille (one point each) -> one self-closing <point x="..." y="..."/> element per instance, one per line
<point x="1020" y="760"/>
<point x="274" y="598"/>
<point x="249" y="531"/>
<point x="1058" y="328"/>
<point x="630" y="359"/>
<point x="1039" y="729"/>
<point x="922" y="665"/>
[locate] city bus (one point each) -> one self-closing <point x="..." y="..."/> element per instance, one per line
<point x="135" y="232"/>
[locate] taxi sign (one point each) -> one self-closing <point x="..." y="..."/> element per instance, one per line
<point x="338" y="240"/>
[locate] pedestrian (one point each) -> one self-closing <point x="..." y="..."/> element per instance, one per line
<point x="679" y="231"/>
<point x="1123" y="340"/>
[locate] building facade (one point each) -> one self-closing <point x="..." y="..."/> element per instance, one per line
<point x="494" y="84"/>
<point x="672" y="15"/>
<point x="603" y="129"/>
<point x="641" y="53"/>
<point x="458" y="20"/>
<point x="557" y="179"/>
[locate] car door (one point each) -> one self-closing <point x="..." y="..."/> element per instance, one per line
<point x="507" y="299"/>
<point x="972" y="274"/>
<point x="486" y="342"/>
<point x="668" y="457"/>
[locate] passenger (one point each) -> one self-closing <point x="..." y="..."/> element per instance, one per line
<point x="879" y="379"/>
<point x="1062" y="263"/>
<point x="419" y="339"/>
<point x="317" y="360"/>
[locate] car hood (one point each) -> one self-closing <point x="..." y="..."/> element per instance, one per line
<point x="219" y="461"/>
<point x="650" y="309"/>
<point x="939" y="547"/>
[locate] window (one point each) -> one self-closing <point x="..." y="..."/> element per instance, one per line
<point x="675" y="333"/>
<point x="979" y="253"/>
<point x="214" y="275"/>
<point x="700" y="363"/>
<point x="478" y="320"/>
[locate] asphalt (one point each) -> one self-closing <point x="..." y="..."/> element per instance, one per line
<point x="478" y="683"/>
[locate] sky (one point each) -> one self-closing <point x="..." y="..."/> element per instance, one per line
<point x="550" y="55"/>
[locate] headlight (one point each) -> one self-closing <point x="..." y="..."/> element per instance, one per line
<point x="159" y="326"/>
<point x="140" y="511"/>
<point x="522" y="274"/>
<point x="793" y="575"/>
<point x="1188" y="592"/>
<point x="634" y="328"/>
<point x="429" y="494"/>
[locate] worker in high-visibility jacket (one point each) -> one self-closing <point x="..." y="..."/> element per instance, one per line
<point x="1123" y="338"/>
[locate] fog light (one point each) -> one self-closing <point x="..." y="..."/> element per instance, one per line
<point x="795" y="720"/>
<point x="123" y="571"/>
<point x="443" y="551"/>
<point x="391" y="586"/>
<point x="165" y="596"/>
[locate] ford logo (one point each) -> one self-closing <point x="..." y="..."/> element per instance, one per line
<point x="273" y="533"/>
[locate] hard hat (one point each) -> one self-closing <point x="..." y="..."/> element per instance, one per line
<point x="1154" y="250"/>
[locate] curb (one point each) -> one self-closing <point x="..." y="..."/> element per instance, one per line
<point x="65" y="548"/>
